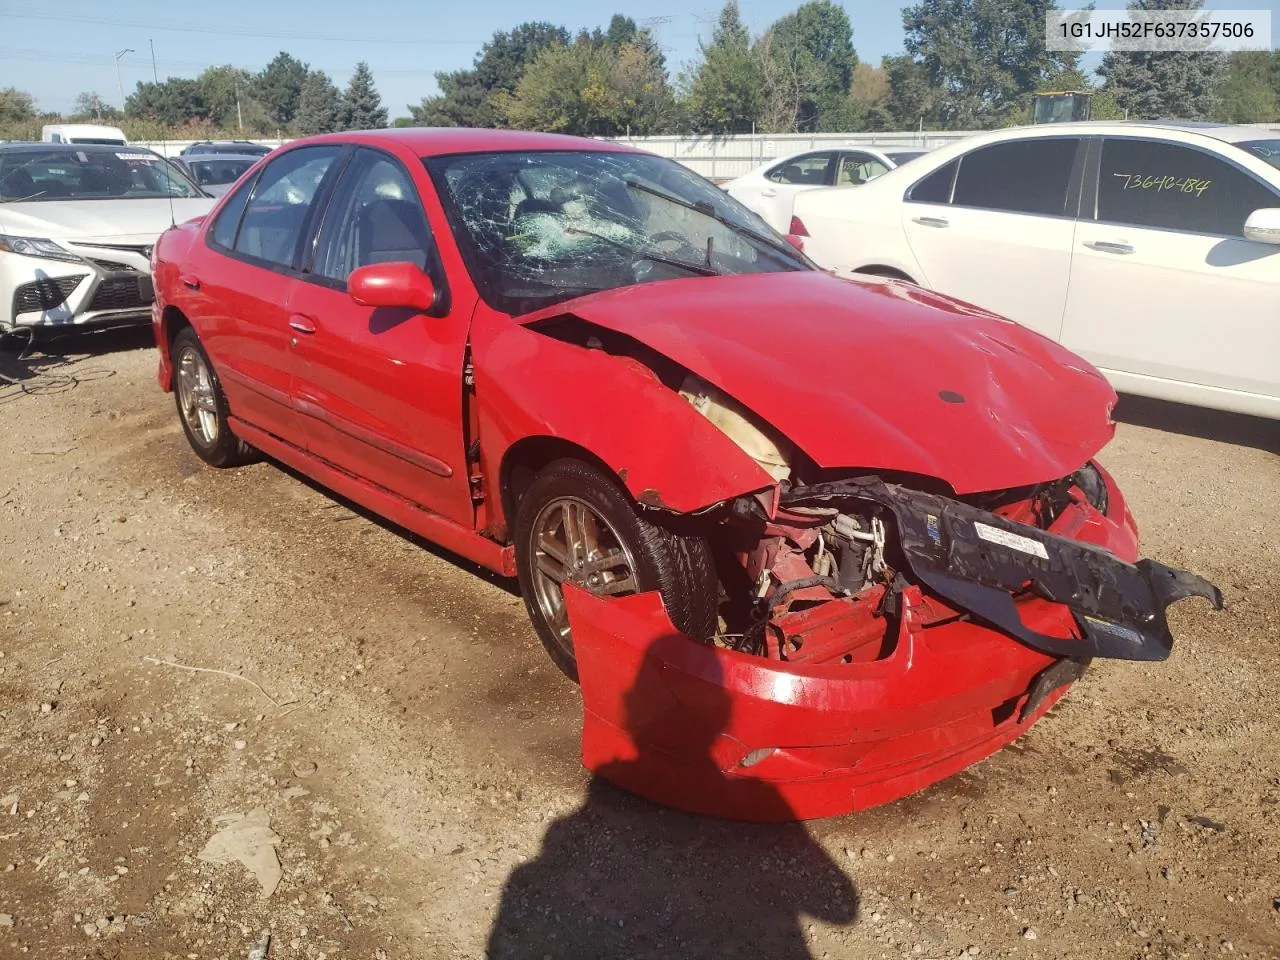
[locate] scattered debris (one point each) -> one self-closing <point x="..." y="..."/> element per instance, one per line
<point x="260" y="947"/>
<point x="6" y="920"/>
<point x="249" y="839"/>
<point x="303" y="768"/>
<point x="292" y="793"/>
<point x="1216" y="825"/>
<point x="222" y="673"/>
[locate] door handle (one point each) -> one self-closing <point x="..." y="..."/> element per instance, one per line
<point x="768" y="193"/>
<point x="931" y="221"/>
<point x="302" y="324"/>
<point x="191" y="283"/>
<point x="1109" y="246"/>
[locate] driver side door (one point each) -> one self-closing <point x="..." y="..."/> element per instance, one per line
<point x="379" y="390"/>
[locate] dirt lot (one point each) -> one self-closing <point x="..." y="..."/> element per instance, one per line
<point x="415" y="751"/>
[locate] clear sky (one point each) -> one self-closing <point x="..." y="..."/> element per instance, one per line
<point x="56" y="51"/>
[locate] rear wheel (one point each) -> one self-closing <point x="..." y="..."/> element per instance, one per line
<point x="202" y="406"/>
<point x="574" y="525"/>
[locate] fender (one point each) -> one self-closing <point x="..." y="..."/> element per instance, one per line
<point x="666" y="454"/>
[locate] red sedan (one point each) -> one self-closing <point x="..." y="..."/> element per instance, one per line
<point x="809" y="543"/>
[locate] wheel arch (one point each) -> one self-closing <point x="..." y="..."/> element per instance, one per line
<point x="172" y="321"/>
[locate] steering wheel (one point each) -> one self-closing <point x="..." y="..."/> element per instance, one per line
<point x="680" y="241"/>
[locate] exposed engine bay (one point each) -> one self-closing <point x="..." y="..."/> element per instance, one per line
<point x="858" y="542"/>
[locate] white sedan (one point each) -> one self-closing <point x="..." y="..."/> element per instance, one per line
<point x="1150" y="249"/>
<point x="77" y="224"/>
<point x="770" y="189"/>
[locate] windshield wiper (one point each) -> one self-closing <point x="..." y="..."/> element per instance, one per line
<point x="642" y="253"/>
<point x="707" y="210"/>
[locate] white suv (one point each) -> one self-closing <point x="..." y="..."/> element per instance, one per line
<point x="1150" y="249"/>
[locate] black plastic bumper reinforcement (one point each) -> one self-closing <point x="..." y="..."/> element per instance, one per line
<point x="979" y="562"/>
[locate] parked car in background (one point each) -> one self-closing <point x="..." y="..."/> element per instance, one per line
<point x="1150" y="249"/>
<point x="244" y="148"/>
<point x="770" y="189"/>
<point x="77" y="224"/>
<point x="82" y="133"/>
<point x="216" y="172"/>
<point x="851" y="518"/>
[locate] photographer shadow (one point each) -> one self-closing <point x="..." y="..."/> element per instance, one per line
<point x="622" y="877"/>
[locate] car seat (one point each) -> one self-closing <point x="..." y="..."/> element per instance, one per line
<point x="391" y="230"/>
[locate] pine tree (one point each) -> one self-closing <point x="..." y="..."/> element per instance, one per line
<point x="726" y="90"/>
<point x="320" y="107"/>
<point x="362" y="103"/>
<point x="1156" y="84"/>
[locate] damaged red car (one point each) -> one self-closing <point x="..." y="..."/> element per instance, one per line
<point x="808" y="543"/>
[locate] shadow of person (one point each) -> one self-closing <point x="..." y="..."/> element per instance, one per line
<point x="623" y="878"/>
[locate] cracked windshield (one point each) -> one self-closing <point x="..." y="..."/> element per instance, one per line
<point x="538" y="228"/>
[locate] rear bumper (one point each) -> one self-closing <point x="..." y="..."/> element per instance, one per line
<point x="722" y="733"/>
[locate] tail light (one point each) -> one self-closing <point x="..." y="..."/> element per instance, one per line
<point x="797" y="228"/>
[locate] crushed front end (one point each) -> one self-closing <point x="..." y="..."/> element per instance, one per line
<point x="875" y="638"/>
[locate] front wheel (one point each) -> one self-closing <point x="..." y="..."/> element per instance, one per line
<point x="202" y="406"/>
<point x="575" y="525"/>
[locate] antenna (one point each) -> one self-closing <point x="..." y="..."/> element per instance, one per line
<point x="164" y="141"/>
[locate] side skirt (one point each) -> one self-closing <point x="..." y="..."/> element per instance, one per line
<point x="431" y="526"/>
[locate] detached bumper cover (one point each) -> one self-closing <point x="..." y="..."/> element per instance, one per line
<point x="978" y="562"/>
<point x="719" y="732"/>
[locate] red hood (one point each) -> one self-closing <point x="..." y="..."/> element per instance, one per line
<point x="879" y="375"/>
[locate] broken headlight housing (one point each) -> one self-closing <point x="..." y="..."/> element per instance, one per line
<point x="1089" y="479"/>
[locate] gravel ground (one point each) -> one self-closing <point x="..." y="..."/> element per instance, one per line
<point x="415" y="752"/>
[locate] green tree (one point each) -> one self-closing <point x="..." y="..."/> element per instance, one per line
<point x="725" y="90"/>
<point x="869" y="97"/>
<point x="320" y="106"/>
<point x="362" y="105"/>
<point x="567" y="89"/>
<point x="646" y="102"/>
<point x="1247" y="93"/>
<point x="914" y="102"/>
<point x="1150" y="84"/>
<point x="90" y="106"/>
<point x="16" y="106"/>
<point x="467" y="97"/>
<point x="228" y="92"/>
<point x="807" y="60"/>
<point x="279" y="88"/>
<point x="983" y="58"/>
<point x="177" y="102"/>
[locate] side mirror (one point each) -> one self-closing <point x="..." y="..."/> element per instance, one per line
<point x="1263" y="226"/>
<point x="396" y="284"/>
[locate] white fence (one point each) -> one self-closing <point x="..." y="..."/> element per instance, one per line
<point x="717" y="158"/>
<point x="722" y="158"/>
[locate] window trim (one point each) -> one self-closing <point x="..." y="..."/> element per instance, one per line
<point x="1073" y="178"/>
<point x="435" y="265"/>
<point x="832" y="168"/>
<point x="1169" y="141"/>
<point x="321" y="198"/>
<point x="951" y="187"/>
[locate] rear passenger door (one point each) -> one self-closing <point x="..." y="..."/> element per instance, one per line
<point x="995" y="228"/>
<point x="1164" y="287"/>
<point x="784" y="181"/>
<point x="244" y="276"/>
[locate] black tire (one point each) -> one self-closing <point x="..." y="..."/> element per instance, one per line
<point x="223" y="448"/>
<point x="679" y="567"/>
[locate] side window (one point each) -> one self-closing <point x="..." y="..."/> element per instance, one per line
<point x="811" y="170"/>
<point x="1021" y="176"/>
<point x="858" y="168"/>
<point x="375" y="217"/>
<point x="224" y="229"/>
<point x="936" y="187"/>
<point x="274" y="218"/>
<point x="1151" y="184"/>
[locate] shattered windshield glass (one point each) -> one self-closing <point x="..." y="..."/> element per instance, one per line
<point x="537" y="228"/>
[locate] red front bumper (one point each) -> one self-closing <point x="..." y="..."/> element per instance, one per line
<point x="717" y="732"/>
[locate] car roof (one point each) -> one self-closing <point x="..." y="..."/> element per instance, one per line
<point x="217" y="157"/>
<point x="439" y="141"/>
<point x="1224" y="132"/>
<point x="44" y="146"/>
